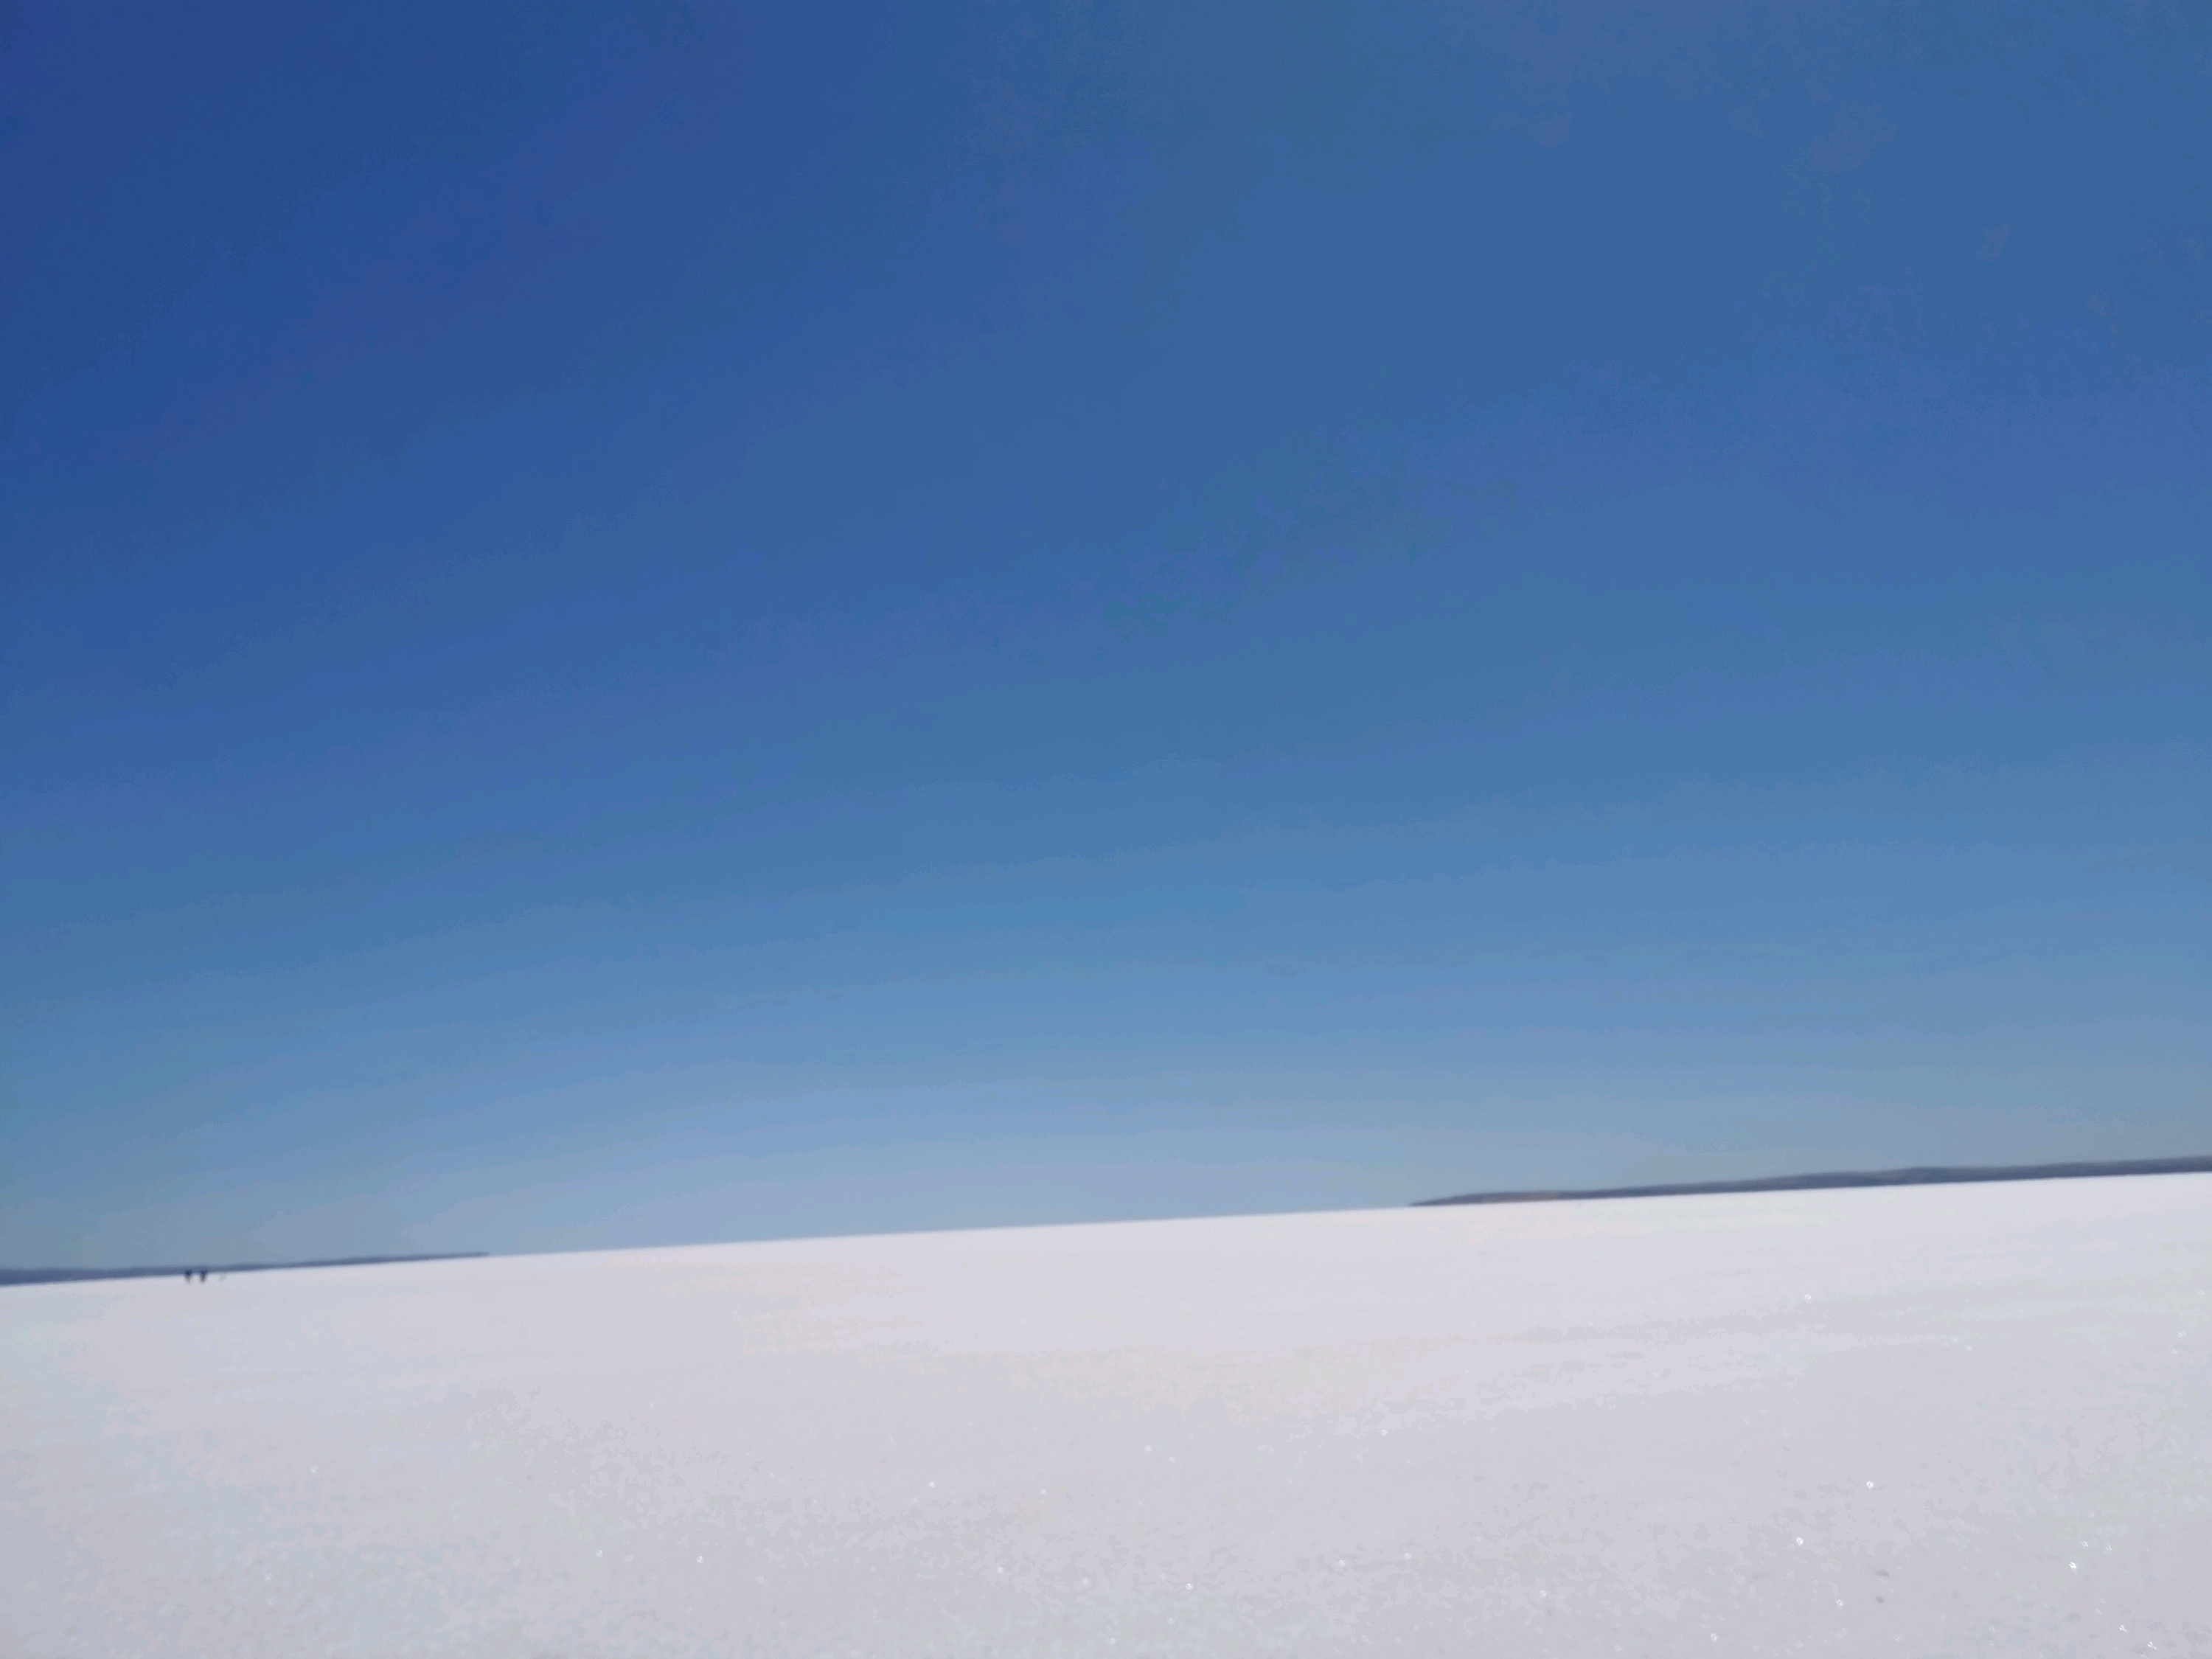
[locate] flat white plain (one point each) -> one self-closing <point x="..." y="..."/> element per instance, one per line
<point x="1966" y="1420"/>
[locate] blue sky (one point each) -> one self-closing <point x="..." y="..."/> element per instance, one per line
<point x="636" y="624"/>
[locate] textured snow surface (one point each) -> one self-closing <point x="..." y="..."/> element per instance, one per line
<point x="1966" y="1420"/>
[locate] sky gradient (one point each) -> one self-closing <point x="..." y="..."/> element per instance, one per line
<point x="643" y="625"/>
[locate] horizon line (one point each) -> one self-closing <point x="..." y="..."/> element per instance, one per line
<point x="1929" y="1175"/>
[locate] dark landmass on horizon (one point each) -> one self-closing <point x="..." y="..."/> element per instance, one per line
<point x="72" y="1275"/>
<point x="1925" y="1176"/>
<point x="1919" y="1175"/>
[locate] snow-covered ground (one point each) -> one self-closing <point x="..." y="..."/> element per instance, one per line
<point x="1966" y="1420"/>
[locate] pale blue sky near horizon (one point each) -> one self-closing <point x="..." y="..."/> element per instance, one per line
<point x="656" y="623"/>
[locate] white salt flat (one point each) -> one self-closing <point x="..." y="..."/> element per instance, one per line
<point x="1967" y="1420"/>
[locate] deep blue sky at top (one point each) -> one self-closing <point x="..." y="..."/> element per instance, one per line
<point x="650" y="623"/>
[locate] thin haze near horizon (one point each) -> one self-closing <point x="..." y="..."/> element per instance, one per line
<point x="654" y="623"/>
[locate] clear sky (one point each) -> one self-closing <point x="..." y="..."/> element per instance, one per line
<point x="633" y="624"/>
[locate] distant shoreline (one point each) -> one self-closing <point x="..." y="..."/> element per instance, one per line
<point x="77" y="1275"/>
<point x="1919" y="1176"/>
<point x="1923" y="1176"/>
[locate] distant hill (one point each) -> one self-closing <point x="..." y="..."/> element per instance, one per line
<point x="1926" y="1176"/>
<point x="67" y="1275"/>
